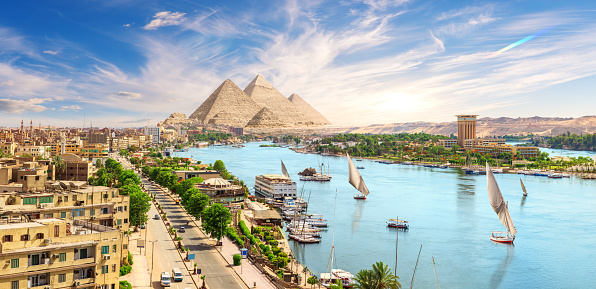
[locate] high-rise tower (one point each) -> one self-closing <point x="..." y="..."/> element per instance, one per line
<point x="466" y="128"/>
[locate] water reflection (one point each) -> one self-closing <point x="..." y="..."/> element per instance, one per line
<point x="466" y="185"/>
<point x="523" y="200"/>
<point x="501" y="270"/>
<point x="357" y="215"/>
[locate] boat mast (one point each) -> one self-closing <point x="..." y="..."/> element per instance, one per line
<point x="396" y="239"/>
<point x="412" y="283"/>
<point x="437" y="276"/>
<point x="330" y="264"/>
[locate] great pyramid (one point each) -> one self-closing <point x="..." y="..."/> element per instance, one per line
<point x="228" y="104"/>
<point x="266" y="118"/>
<point x="312" y="114"/>
<point x="264" y="94"/>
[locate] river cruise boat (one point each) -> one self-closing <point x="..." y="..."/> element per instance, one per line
<point x="301" y="238"/>
<point x="275" y="186"/>
<point x="316" y="178"/>
<point x="400" y="224"/>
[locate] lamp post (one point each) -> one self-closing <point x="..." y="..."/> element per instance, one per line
<point x="152" y="251"/>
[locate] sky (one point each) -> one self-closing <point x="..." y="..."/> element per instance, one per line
<point x="129" y="63"/>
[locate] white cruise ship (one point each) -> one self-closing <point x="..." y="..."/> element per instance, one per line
<point x="275" y="186"/>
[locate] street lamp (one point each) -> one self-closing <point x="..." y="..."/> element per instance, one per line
<point x="152" y="251"/>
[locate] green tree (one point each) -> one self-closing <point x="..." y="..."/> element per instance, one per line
<point x="197" y="202"/>
<point x="60" y="165"/>
<point x="312" y="280"/>
<point x="128" y="175"/>
<point x="379" y="277"/>
<point x="215" y="219"/>
<point x="98" y="164"/>
<point x="140" y="203"/>
<point x="219" y="166"/>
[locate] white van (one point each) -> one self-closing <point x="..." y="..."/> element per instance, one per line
<point x="177" y="275"/>
<point x="165" y="279"/>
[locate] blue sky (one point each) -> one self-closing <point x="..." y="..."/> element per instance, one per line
<point x="128" y="63"/>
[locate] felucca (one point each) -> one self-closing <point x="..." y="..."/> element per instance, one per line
<point x="500" y="207"/>
<point x="357" y="181"/>
<point x="523" y="188"/>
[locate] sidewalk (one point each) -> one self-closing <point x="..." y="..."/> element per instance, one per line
<point x="139" y="276"/>
<point x="246" y="271"/>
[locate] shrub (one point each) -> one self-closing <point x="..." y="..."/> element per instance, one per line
<point x="273" y="242"/>
<point x="270" y="256"/>
<point x="125" y="269"/>
<point x="125" y="285"/>
<point x="231" y="232"/>
<point x="242" y="206"/>
<point x="130" y="262"/>
<point x="237" y="259"/>
<point x="275" y="250"/>
<point x="282" y="254"/>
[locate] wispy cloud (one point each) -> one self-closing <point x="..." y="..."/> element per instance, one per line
<point x="127" y="95"/>
<point x="165" y="18"/>
<point x="17" y="106"/>
<point x="70" y="107"/>
<point x="50" y="52"/>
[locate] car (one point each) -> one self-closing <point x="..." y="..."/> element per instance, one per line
<point x="156" y="217"/>
<point x="142" y="226"/>
<point x="182" y="230"/>
<point x="165" y="279"/>
<point x="177" y="275"/>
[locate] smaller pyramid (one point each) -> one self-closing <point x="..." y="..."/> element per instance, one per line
<point x="266" y="118"/>
<point x="311" y="113"/>
<point x="265" y="95"/>
<point x="228" y="104"/>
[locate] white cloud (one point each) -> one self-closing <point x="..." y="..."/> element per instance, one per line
<point x="18" y="106"/>
<point x="70" y="107"/>
<point x="165" y="18"/>
<point x="50" y="52"/>
<point x="7" y="83"/>
<point x="127" y="25"/>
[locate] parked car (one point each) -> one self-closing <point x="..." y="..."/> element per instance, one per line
<point x="142" y="226"/>
<point x="165" y="279"/>
<point x="182" y="230"/>
<point x="156" y="217"/>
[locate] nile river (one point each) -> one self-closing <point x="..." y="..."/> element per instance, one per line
<point x="449" y="215"/>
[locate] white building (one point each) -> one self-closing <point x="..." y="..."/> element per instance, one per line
<point x="153" y="131"/>
<point x="275" y="186"/>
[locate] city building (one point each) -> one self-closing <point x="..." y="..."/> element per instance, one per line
<point x="466" y="128"/>
<point x="55" y="253"/>
<point x="8" y="148"/>
<point x="153" y="131"/>
<point x="205" y="174"/>
<point x="447" y="143"/>
<point x="495" y="149"/>
<point x="221" y="191"/>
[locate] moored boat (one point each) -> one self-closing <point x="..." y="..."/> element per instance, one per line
<point x="400" y="224"/>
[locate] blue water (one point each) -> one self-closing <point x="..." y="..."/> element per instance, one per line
<point x="450" y="216"/>
<point x="560" y="152"/>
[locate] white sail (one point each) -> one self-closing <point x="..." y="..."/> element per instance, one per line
<point x="497" y="202"/>
<point x="284" y="171"/>
<point x="356" y="179"/>
<point x="523" y="187"/>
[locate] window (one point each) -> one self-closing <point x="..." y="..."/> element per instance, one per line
<point x="14" y="285"/>
<point x="119" y="222"/>
<point x="34" y="260"/>
<point x="125" y="208"/>
<point x="104" y="210"/>
<point x="39" y="236"/>
<point x="90" y="197"/>
<point x="113" y="267"/>
<point x="62" y="257"/>
<point x="44" y="200"/>
<point x="104" y="269"/>
<point x="114" y="249"/>
<point x="125" y="246"/>
<point x="125" y="221"/>
<point x="63" y="215"/>
<point x="92" y="212"/>
<point x="105" y="249"/>
<point x="56" y="231"/>
<point x="14" y="263"/>
<point x="30" y="201"/>
<point x="7" y="238"/>
<point x="61" y="278"/>
<point x="74" y="198"/>
<point x="25" y="237"/>
<point x="66" y="198"/>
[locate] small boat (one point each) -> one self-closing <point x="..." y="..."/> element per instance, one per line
<point x="400" y="224"/>
<point x="360" y="167"/>
<point x="500" y="207"/>
<point x="335" y="275"/>
<point x="523" y="188"/>
<point x="304" y="239"/>
<point x="356" y="180"/>
<point x="555" y="176"/>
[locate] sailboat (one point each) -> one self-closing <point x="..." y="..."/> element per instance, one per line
<point x="284" y="171"/>
<point x="357" y="181"/>
<point x="500" y="207"/>
<point x="523" y="188"/>
<point x="335" y="275"/>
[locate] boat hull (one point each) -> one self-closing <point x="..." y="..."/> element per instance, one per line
<point x="502" y="239"/>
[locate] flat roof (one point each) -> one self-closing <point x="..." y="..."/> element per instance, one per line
<point x="20" y="225"/>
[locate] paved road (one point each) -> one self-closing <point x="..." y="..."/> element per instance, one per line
<point x="218" y="273"/>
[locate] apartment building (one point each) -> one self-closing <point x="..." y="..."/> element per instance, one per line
<point x="8" y="148"/>
<point x="41" y="151"/>
<point x="57" y="253"/>
<point x="23" y="174"/>
<point x="69" y="201"/>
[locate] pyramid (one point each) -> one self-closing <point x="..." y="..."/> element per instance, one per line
<point x="228" y="104"/>
<point x="311" y="113"/>
<point x="266" y="118"/>
<point x="265" y="95"/>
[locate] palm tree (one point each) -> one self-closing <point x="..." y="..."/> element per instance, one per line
<point x="60" y="165"/>
<point x="380" y="277"/>
<point x="364" y="279"/>
<point x="383" y="278"/>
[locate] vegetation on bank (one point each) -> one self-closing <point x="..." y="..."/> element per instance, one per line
<point x="573" y="142"/>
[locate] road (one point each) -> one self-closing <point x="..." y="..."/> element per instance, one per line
<point x="218" y="273"/>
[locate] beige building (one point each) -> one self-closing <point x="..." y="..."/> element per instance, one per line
<point x="495" y="149"/>
<point x="69" y="201"/>
<point x="8" y="148"/>
<point x="94" y="151"/>
<point x="41" y="151"/>
<point x="205" y="174"/>
<point x="221" y="191"/>
<point x="23" y="174"/>
<point x="56" y="253"/>
<point x="466" y="128"/>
